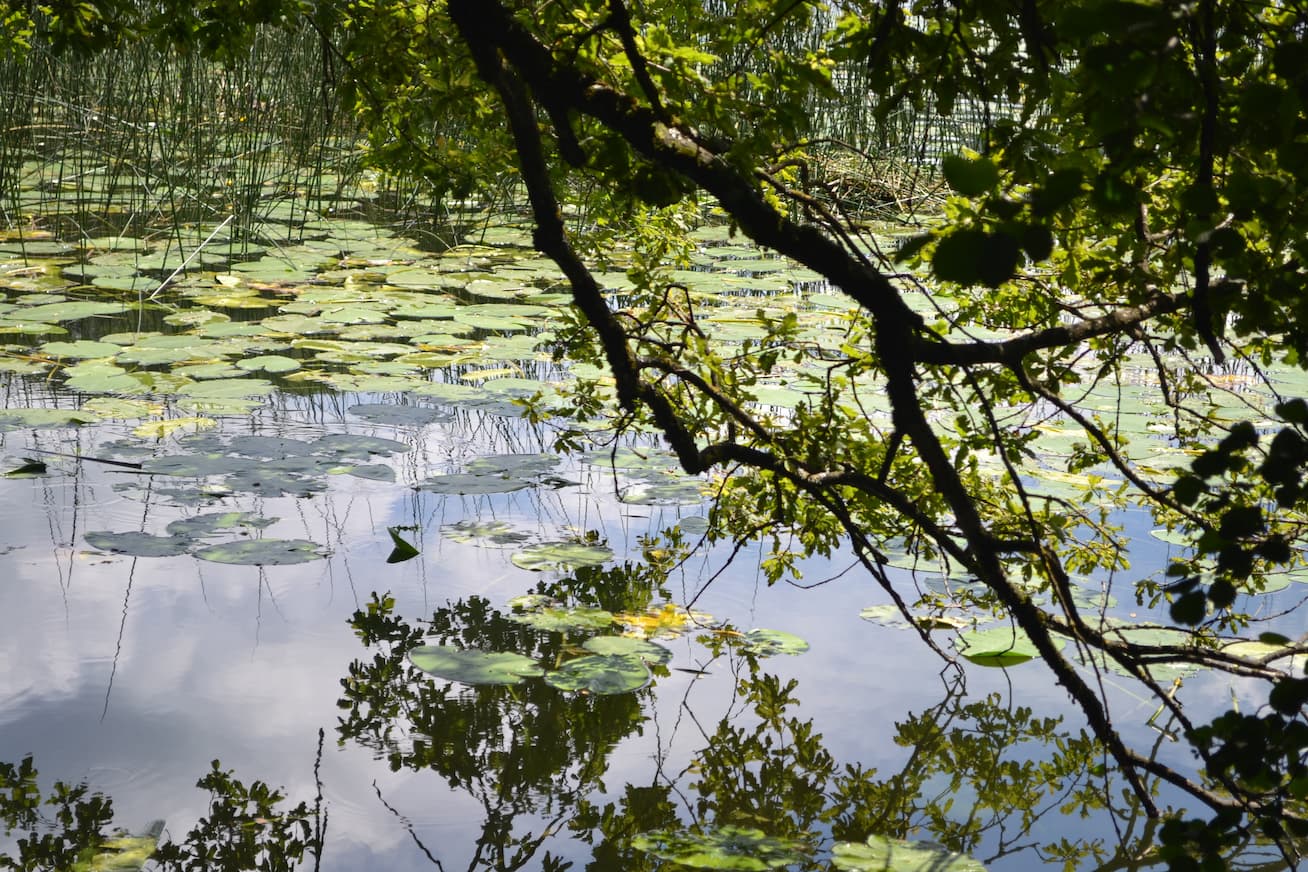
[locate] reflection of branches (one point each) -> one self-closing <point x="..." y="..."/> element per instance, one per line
<point x="526" y="749"/>
<point x="408" y="826"/>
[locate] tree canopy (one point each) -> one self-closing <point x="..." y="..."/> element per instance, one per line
<point x="1127" y="219"/>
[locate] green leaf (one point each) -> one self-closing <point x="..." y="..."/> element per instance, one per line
<point x="28" y="470"/>
<point x="971" y="257"/>
<point x="970" y="175"/>
<point x="1037" y="242"/>
<point x="403" y="550"/>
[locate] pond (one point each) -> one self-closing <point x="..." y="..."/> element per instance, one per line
<point x="269" y="499"/>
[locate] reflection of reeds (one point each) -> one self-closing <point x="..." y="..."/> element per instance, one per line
<point x="94" y="145"/>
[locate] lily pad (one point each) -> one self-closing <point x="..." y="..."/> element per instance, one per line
<point x="350" y="445"/>
<point x="270" y="363"/>
<point x="399" y="416"/>
<point x="879" y="853"/>
<point x="487" y="534"/>
<point x="627" y="646"/>
<point x="514" y="464"/>
<point x="885" y="615"/>
<point x="139" y="544"/>
<point x="560" y="620"/>
<point x="469" y="666"/>
<point x="997" y="646"/>
<point x="82" y="349"/>
<point x="472" y="484"/>
<point x="766" y="643"/>
<point x="213" y="522"/>
<point x="69" y="311"/>
<point x="674" y="492"/>
<point x="601" y="674"/>
<point x="560" y="556"/>
<point x="727" y="847"/>
<point x="263" y="552"/>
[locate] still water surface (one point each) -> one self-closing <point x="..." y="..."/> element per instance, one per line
<point x="132" y="673"/>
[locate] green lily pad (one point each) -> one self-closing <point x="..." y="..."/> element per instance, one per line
<point x="400" y="416"/>
<point x="139" y="544"/>
<point x="82" y="349"/>
<point x="727" y="847"/>
<point x="627" y="646"/>
<point x="530" y="601"/>
<point x="228" y="389"/>
<point x="694" y="525"/>
<point x="472" y="484"/>
<point x="601" y="674"/>
<point x="41" y="418"/>
<point x="371" y="472"/>
<point x="70" y="311"/>
<point x="885" y="615"/>
<point x="766" y="643"/>
<point x="214" y="522"/>
<point x="271" y="363"/>
<point x="675" y="492"/>
<point x="560" y="556"/>
<point x="263" y="552"/>
<point x="474" y="667"/>
<point x="351" y="445"/>
<point x="997" y="646"/>
<point x="514" y="464"/>
<point x="559" y="620"/>
<point x="487" y="534"/>
<point x="879" y="853"/>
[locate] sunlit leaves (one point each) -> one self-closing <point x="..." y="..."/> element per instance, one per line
<point x="664" y="622"/>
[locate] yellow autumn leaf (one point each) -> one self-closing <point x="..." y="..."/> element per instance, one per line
<point x="662" y="622"/>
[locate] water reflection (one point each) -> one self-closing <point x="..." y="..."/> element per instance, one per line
<point x="718" y="748"/>
<point x="980" y="776"/>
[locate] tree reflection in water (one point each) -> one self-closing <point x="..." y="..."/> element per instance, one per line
<point x="980" y="775"/>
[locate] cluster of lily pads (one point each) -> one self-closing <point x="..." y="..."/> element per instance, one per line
<point x="747" y="849"/>
<point x="191" y="535"/>
<point x="611" y="663"/>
